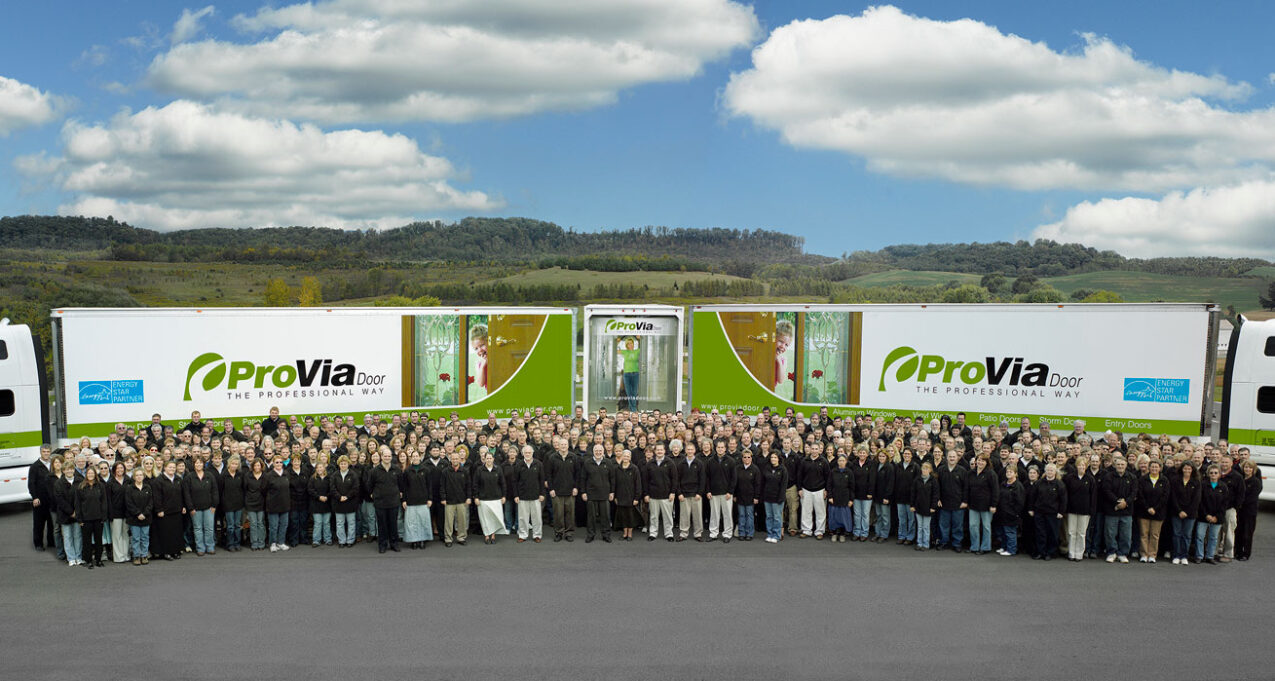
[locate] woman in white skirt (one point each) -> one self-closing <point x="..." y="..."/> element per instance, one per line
<point x="489" y="491"/>
<point x="417" y="500"/>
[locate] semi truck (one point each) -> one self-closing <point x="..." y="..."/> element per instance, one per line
<point x="1129" y="367"/>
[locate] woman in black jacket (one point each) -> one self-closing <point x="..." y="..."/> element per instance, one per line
<point x="905" y="474"/>
<point x="1046" y="506"/>
<point x="488" y="483"/>
<point x="981" y="493"/>
<point x="62" y="482"/>
<point x="1184" y="504"/>
<point x="841" y="488"/>
<point x="925" y="503"/>
<point x="90" y="511"/>
<point x="882" y="494"/>
<point x="232" y="502"/>
<point x="254" y="504"/>
<point x="345" y="501"/>
<point x="418" y="495"/>
<point x="774" y="483"/>
<point x="115" y="515"/>
<point x="200" y="494"/>
<point x="278" y="494"/>
<point x="1150" y="508"/>
<point x="167" y="538"/>
<point x="138" y="507"/>
<point x="1010" y="504"/>
<point x="1215" y="498"/>
<point x="1082" y="501"/>
<point x="298" y="500"/>
<point x="320" y="491"/>
<point x="1247" y="516"/>
<point x="628" y="494"/>
<point x="864" y="475"/>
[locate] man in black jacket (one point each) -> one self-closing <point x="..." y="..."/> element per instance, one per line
<point x="659" y="479"/>
<point x="38" y="487"/>
<point x="529" y="494"/>
<point x="1117" y="492"/>
<point x="812" y="477"/>
<point x="561" y="472"/>
<point x="386" y="497"/>
<point x="951" y="477"/>
<point x="689" y="481"/>
<point x="598" y="482"/>
<point x="454" y="492"/>
<point x="1234" y="480"/>
<point x="719" y="476"/>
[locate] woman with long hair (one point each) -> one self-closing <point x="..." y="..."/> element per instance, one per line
<point x="139" y="505"/>
<point x="1151" y="506"/>
<point x="116" y="486"/>
<point x="90" y="511"/>
<point x="166" y="539"/>
<point x="1184" y="505"/>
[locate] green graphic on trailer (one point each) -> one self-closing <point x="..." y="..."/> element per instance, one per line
<point x="719" y="380"/>
<point x="544" y="379"/>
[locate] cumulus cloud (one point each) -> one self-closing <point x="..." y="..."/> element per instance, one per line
<point x="1231" y="221"/>
<point x="23" y="105"/>
<point x="186" y="165"/>
<point x="189" y="24"/>
<point x="451" y="60"/>
<point x="962" y="101"/>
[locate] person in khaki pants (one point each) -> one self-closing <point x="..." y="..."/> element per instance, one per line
<point x="1151" y="506"/>
<point x="456" y="498"/>
<point x="790" y="460"/>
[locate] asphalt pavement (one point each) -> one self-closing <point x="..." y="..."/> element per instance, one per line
<point x="640" y="610"/>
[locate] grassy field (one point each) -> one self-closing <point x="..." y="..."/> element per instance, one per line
<point x="588" y="279"/>
<point x="1145" y="287"/>
<point x="1134" y="287"/>
<point x="911" y="278"/>
<point x="219" y="284"/>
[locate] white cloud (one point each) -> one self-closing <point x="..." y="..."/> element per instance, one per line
<point x="94" y="56"/>
<point x="962" y="101"/>
<point x="23" y="105"/>
<point x="188" y="25"/>
<point x="451" y="60"/>
<point x="186" y="165"/>
<point x="1232" y="221"/>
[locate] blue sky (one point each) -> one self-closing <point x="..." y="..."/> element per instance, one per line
<point x="812" y="143"/>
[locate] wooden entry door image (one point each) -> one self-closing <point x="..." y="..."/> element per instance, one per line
<point x="509" y="341"/>
<point x="752" y="335"/>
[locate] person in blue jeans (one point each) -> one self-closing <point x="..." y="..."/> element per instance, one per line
<point x="632" y="371"/>
<point x="1215" y="498"/>
<point x="1009" y="512"/>
<point x="747" y="492"/>
<point x="982" y="492"/>
<point x="925" y="499"/>
<point x="774" y="485"/>
<point x="1184" y="505"/>
<point x="952" y="504"/>
<point x="138" y="507"/>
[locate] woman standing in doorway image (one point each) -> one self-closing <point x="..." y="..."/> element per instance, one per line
<point x="630" y="354"/>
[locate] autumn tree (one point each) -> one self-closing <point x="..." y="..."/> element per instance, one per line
<point x="311" y="292"/>
<point x="278" y="293"/>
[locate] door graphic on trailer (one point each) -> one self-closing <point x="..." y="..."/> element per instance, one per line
<point x="752" y="335"/>
<point x="509" y="341"/>
<point x="453" y="359"/>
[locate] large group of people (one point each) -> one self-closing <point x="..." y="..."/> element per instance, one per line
<point x="406" y="480"/>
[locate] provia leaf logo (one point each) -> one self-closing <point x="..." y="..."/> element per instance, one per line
<point x="214" y="376"/>
<point x="906" y="369"/>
